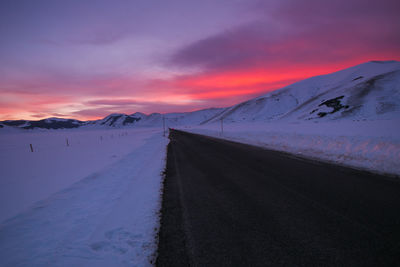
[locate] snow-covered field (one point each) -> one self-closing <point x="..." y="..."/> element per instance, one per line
<point x="92" y="203"/>
<point x="370" y="145"/>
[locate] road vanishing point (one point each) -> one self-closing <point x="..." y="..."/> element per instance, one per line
<point x="231" y="204"/>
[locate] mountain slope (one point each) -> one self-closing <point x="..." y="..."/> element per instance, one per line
<point x="367" y="91"/>
<point x="116" y="120"/>
<point x="179" y="119"/>
<point x="155" y="119"/>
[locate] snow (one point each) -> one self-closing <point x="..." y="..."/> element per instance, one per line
<point x="369" y="145"/>
<point x="92" y="203"/>
<point x="368" y="91"/>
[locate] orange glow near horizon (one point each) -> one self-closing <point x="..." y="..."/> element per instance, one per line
<point x="255" y="77"/>
<point x="247" y="82"/>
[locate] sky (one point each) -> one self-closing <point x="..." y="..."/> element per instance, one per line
<point x="85" y="59"/>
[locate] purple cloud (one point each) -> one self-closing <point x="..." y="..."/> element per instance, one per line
<point x="306" y="32"/>
<point x="113" y="102"/>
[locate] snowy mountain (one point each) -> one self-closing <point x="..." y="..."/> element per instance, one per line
<point x="49" y="123"/>
<point x="119" y="120"/>
<point x="368" y="91"/>
<point x="179" y="119"/>
<point x="116" y="120"/>
<point x="155" y="119"/>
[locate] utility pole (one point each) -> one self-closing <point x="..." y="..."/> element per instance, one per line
<point x="163" y="121"/>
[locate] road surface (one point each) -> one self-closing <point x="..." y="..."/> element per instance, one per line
<point x="230" y="204"/>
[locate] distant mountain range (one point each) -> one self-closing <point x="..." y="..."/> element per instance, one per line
<point x="368" y="91"/>
<point x="118" y="120"/>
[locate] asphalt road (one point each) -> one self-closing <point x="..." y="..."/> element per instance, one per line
<point x="230" y="204"/>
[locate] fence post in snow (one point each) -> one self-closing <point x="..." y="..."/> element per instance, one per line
<point x="67" y="141"/>
<point x="31" y="147"/>
<point x="222" y="126"/>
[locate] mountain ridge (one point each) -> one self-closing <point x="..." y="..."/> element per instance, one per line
<point x="366" y="91"/>
<point x="352" y="93"/>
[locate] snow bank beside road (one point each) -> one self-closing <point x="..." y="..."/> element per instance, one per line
<point x="371" y="145"/>
<point x="108" y="218"/>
